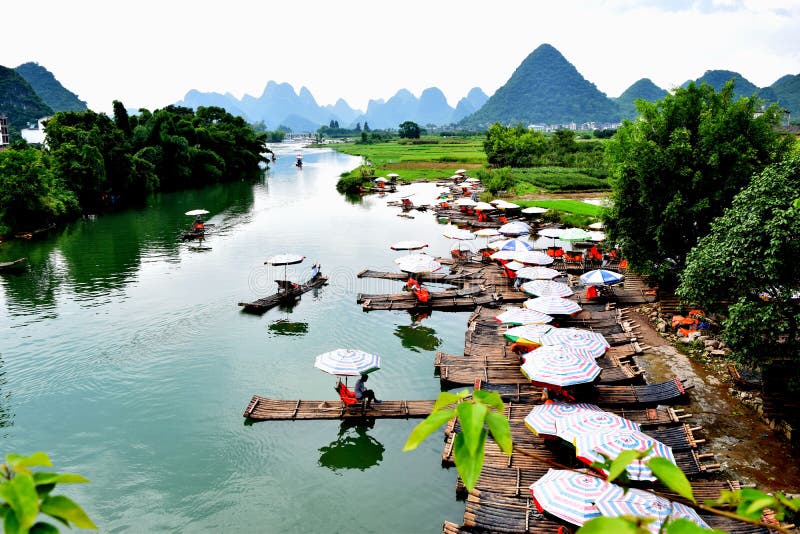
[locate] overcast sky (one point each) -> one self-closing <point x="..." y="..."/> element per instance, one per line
<point x="149" y="53"/>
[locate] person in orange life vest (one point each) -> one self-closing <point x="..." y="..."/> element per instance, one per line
<point x="198" y="225"/>
<point x="503" y="219"/>
<point x="594" y="254"/>
<point x="591" y="292"/>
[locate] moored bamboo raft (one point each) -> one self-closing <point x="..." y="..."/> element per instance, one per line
<point x="669" y="391"/>
<point x="439" y="278"/>
<point x="445" y="302"/>
<point x="266" y="409"/>
<point x="289" y="294"/>
<point x="493" y="512"/>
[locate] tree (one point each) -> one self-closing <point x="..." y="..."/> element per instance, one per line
<point x="677" y="167"/>
<point x="514" y="146"/>
<point x="366" y="126"/>
<point x="409" y="130"/>
<point x="750" y="260"/>
<point x="358" y="126"/>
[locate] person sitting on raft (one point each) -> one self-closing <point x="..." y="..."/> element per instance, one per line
<point x="316" y="271"/>
<point x="363" y="393"/>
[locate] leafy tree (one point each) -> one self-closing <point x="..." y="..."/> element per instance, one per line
<point x="679" y="166"/>
<point x="366" y="126"/>
<point x="750" y="260"/>
<point x="563" y="141"/>
<point x="358" y="126"/>
<point x="25" y="494"/>
<point x="514" y="146"/>
<point x="121" y="119"/>
<point x="409" y="130"/>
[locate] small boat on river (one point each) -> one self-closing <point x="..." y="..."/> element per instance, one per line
<point x="289" y="294"/>
<point x="14" y="266"/>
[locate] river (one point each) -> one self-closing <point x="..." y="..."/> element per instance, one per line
<point x="124" y="356"/>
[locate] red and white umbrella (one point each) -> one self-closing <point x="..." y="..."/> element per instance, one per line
<point x="546" y="288"/>
<point x="542" y="418"/>
<point x="570" y="427"/>
<point x="537" y="273"/>
<point x="570" y="495"/>
<point x="520" y="316"/>
<point x="589" y="446"/>
<point x="584" y="341"/>
<point x="552" y="305"/>
<point x="640" y="503"/>
<point x="557" y="366"/>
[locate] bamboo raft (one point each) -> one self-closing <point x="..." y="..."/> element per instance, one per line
<point x="442" y="301"/>
<point x="16" y="265"/>
<point x="289" y="295"/>
<point x="266" y="409"/>
<point x="439" y="278"/>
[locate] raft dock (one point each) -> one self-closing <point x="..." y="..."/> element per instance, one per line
<point x="289" y="296"/>
<point x="266" y="409"/>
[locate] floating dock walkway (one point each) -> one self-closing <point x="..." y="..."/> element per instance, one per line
<point x="266" y="409"/>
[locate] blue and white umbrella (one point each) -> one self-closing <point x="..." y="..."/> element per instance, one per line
<point x="542" y="418"/>
<point x="593" y="344"/>
<point x="639" y="503"/>
<point x="516" y="245"/>
<point x="570" y="427"/>
<point x="546" y="288"/>
<point x="558" y="366"/>
<point x="535" y="257"/>
<point x="589" y="446"/>
<point x="601" y="277"/>
<point x="347" y="362"/>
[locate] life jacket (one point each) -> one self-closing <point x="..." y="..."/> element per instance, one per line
<point x="413" y="285"/>
<point x="591" y="292"/>
<point x="422" y="294"/>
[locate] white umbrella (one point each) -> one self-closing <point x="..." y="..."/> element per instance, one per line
<point x="465" y="201"/>
<point x="546" y="288"/>
<point x="393" y="175"/>
<point x="503" y="205"/>
<point x="514" y="265"/>
<point x="554" y="233"/>
<point x="418" y="263"/>
<point x="410" y="244"/>
<point x="534" y="210"/>
<point x="552" y="305"/>
<point x="533" y="256"/>
<point x="347" y="362"/>
<point x="503" y="255"/>
<point x="197" y="212"/>
<point x="597" y="226"/>
<point x="515" y="228"/>
<point x="486" y="232"/>
<point x="484" y="206"/>
<point x="464" y="245"/>
<point x="597" y="236"/>
<point x="472" y="180"/>
<point x="575" y="234"/>
<point x="454" y="232"/>
<point x="461" y="171"/>
<point x="285" y="259"/>
<point x="537" y="273"/>
<point x="521" y="316"/>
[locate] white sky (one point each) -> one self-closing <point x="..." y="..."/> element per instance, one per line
<point x="149" y="53"/>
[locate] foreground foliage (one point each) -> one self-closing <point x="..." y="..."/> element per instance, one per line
<point x="677" y="167"/>
<point x="749" y="260"/>
<point x="25" y="494"/>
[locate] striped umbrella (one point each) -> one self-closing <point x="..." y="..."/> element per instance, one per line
<point x="601" y="277"/>
<point x="588" y="447"/>
<point x="570" y="495"/>
<point x="584" y="341"/>
<point x="535" y="257"/>
<point x="570" y="427"/>
<point x="552" y="305"/>
<point x="542" y="418"/>
<point x="546" y="288"/>
<point x="520" y="316"/>
<point x="347" y="362"/>
<point x="527" y="333"/>
<point x="537" y="273"/>
<point x="557" y="366"/>
<point x="517" y="245"/>
<point x="640" y="503"/>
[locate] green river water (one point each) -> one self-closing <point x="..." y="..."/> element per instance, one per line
<point x="124" y="355"/>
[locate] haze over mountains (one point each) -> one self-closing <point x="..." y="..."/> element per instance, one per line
<point x="545" y="89"/>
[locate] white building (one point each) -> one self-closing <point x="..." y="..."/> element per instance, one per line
<point x="4" y="140"/>
<point x="35" y="135"/>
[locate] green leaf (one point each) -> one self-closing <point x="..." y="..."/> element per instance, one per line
<point x="43" y="528"/>
<point x="446" y="399"/>
<point x="754" y="508"/>
<point x="37" y="459"/>
<point x="672" y="477"/>
<point x="490" y="398"/>
<point x="58" y="478"/>
<point x="619" y="463"/>
<point x="608" y="525"/>
<point x="686" y="526"/>
<point x="427" y="426"/>
<point x="469" y="465"/>
<point x="501" y="431"/>
<point x="21" y="496"/>
<point x="65" y="508"/>
<point x="472" y="416"/>
<point x="10" y="523"/>
<point x="792" y="504"/>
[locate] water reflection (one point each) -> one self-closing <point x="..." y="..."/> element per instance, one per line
<point x="415" y="337"/>
<point x="353" y="448"/>
<point x="285" y="327"/>
<point x="6" y="417"/>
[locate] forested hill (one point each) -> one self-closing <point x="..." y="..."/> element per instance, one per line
<point x="19" y="102"/>
<point x="643" y="89"/>
<point x="49" y="89"/>
<point x="545" y="88"/>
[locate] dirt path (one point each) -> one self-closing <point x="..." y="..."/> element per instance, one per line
<point x="745" y="447"/>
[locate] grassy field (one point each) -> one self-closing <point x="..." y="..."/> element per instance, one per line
<point x="567" y="205"/>
<point x="556" y="179"/>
